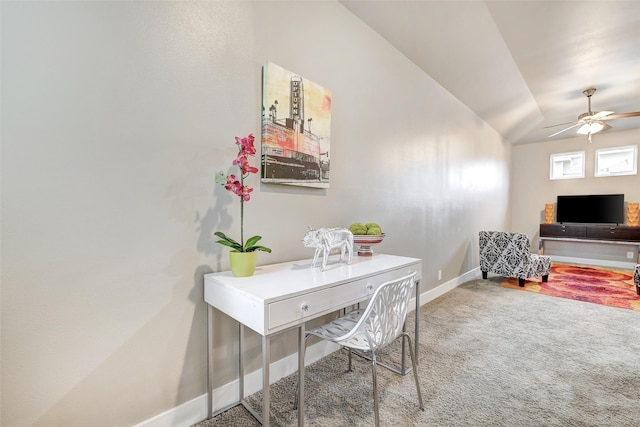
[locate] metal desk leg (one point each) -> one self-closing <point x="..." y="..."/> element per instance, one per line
<point x="403" y="367"/>
<point x="301" y="349"/>
<point x="266" y="356"/>
<point x="240" y="362"/>
<point x="210" y="360"/>
<point x="264" y="417"/>
<point x="416" y="338"/>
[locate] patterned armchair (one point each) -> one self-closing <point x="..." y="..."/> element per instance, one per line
<point x="636" y="278"/>
<point x="509" y="254"/>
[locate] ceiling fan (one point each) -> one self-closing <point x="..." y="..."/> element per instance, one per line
<point x="592" y="122"/>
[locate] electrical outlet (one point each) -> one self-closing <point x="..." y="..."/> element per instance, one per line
<point x="629" y="255"/>
<point x="439" y="274"/>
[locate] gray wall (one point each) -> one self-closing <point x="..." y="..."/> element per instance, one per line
<point x="115" y="118"/>
<point x="532" y="188"/>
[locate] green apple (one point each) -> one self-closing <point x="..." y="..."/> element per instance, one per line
<point x="374" y="231"/>
<point x="358" y="228"/>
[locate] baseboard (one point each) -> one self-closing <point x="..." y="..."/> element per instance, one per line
<point x="196" y="410"/>
<point x="591" y="261"/>
<point x="442" y="289"/>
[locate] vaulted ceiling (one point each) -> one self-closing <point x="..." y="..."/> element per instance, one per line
<point x="521" y="65"/>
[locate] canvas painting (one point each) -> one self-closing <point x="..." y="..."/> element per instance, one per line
<point x="296" y="124"/>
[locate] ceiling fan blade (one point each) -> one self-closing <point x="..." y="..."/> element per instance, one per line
<point x="606" y="126"/>
<point x="601" y="115"/>
<point x="566" y="129"/>
<point x="561" y="124"/>
<point x="622" y="115"/>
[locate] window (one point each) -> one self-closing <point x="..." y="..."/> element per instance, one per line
<point x="617" y="161"/>
<point x="567" y="165"/>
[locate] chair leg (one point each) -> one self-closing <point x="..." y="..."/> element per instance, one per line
<point x="349" y="369"/>
<point x="545" y="278"/>
<point x="375" y="389"/>
<point x="520" y="282"/>
<point x="415" y="371"/>
<point x="375" y="380"/>
<point x="484" y="275"/>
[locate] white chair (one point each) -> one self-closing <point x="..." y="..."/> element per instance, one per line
<point x="373" y="328"/>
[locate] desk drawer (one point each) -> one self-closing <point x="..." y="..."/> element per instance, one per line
<point x="300" y="307"/>
<point x="363" y="289"/>
<point x="310" y="305"/>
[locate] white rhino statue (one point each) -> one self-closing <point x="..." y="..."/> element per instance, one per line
<point x="326" y="239"/>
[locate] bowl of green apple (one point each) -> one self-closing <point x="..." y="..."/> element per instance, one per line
<point x="366" y="235"/>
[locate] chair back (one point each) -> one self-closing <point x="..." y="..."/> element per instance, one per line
<point x="505" y="253"/>
<point x="384" y="317"/>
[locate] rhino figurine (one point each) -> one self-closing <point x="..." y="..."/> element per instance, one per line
<point x="326" y="239"/>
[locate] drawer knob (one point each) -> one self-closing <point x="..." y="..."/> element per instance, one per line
<point x="304" y="307"/>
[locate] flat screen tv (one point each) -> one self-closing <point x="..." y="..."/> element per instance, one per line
<point x="592" y="209"/>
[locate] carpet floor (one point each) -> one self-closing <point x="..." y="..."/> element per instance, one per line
<point x="489" y="356"/>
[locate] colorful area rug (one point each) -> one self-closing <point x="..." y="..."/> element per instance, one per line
<point x="606" y="286"/>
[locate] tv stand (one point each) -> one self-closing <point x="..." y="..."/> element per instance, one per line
<point x="590" y="233"/>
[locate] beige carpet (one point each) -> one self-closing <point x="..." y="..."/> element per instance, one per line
<point x="489" y="356"/>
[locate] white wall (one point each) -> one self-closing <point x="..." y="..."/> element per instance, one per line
<point x="115" y="118"/>
<point x="532" y="188"/>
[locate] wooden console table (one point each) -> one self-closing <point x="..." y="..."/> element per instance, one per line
<point x="281" y="297"/>
<point x="610" y="234"/>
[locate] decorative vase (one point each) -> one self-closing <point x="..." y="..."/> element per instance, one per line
<point x="366" y="241"/>
<point x="632" y="214"/>
<point x="548" y="213"/>
<point x="243" y="264"/>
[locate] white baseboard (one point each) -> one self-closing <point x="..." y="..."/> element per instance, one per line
<point x="196" y="410"/>
<point x="442" y="289"/>
<point x="590" y="261"/>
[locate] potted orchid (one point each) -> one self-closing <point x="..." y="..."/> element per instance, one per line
<point x="241" y="249"/>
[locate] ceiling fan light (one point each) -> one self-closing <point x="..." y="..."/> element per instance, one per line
<point x="588" y="128"/>
<point x="584" y="129"/>
<point x="596" y="127"/>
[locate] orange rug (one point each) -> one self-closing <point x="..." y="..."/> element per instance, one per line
<point x="606" y="286"/>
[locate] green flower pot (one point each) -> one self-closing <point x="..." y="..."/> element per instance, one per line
<point x="243" y="264"/>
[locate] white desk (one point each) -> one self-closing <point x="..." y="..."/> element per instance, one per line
<point x="279" y="297"/>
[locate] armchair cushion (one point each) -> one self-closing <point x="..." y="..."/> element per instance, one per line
<point x="636" y="278"/>
<point x="509" y="254"/>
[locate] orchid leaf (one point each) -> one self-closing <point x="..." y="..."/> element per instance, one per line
<point x="251" y="246"/>
<point x="252" y="241"/>
<point x="228" y="241"/>
<point x="258" y="248"/>
<point x="231" y="245"/>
